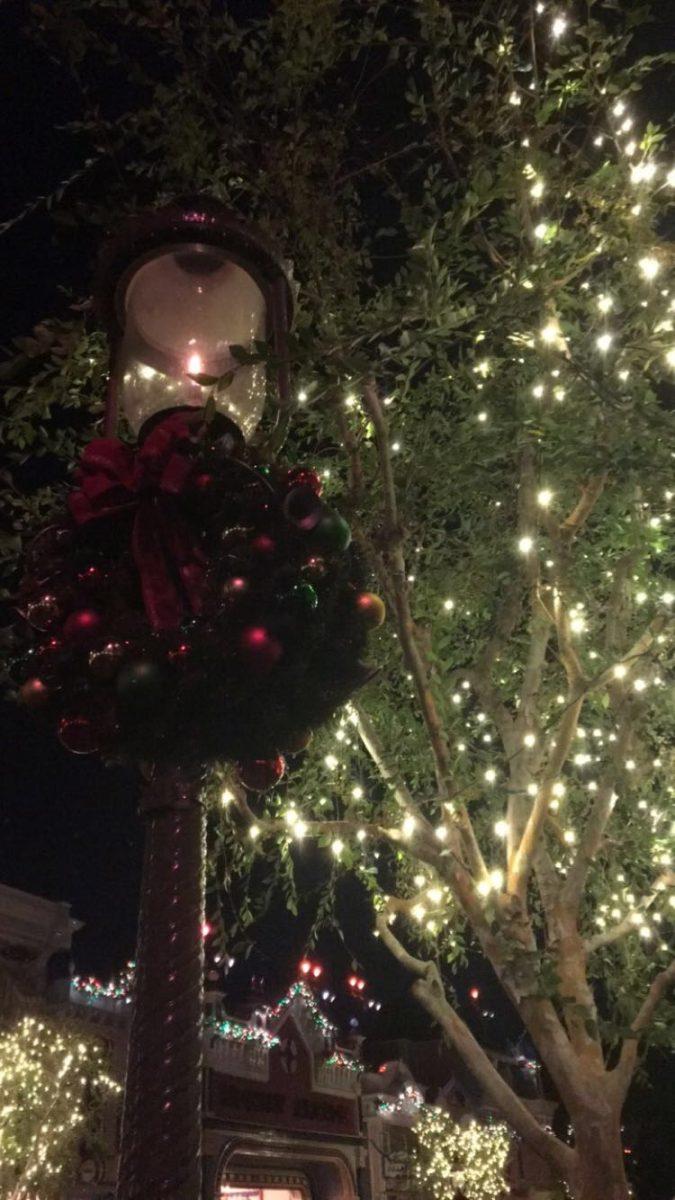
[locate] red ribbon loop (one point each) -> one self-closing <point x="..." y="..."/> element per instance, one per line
<point x="113" y="478"/>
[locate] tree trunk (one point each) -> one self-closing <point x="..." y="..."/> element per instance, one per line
<point x="600" y="1169"/>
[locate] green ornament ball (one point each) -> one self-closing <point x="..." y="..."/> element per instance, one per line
<point x="140" y="683"/>
<point x="332" y="534"/>
<point x="305" y="595"/>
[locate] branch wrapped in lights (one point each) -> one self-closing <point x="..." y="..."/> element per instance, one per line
<point x="194" y="604"/>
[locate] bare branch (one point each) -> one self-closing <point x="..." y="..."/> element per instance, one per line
<point x="574" y="523"/>
<point x="660" y="986"/>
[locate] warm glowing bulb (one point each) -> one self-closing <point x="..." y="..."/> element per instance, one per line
<point x="525" y="544"/>
<point x="649" y="267"/>
<point x="501" y="828"/>
<point x="558" y="27"/>
<point x="604" y="341"/>
<point x="544" y="497"/>
<point x="195" y="364"/>
<point x="408" y="826"/>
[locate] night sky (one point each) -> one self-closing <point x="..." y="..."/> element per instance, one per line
<point x="68" y="826"/>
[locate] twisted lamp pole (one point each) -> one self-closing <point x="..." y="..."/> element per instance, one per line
<point x="177" y="287"/>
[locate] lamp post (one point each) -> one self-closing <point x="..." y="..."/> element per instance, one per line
<point x="177" y="288"/>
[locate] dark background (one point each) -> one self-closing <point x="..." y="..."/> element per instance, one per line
<point x="68" y="826"/>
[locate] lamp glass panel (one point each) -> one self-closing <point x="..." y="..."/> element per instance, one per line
<point x="184" y="309"/>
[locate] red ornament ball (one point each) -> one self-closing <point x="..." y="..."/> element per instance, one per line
<point x="105" y="662"/>
<point x="179" y="655"/>
<point x="43" y="613"/>
<point x="78" y="734"/>
<point x="371" y="608"/>
<point x="304" y="477"/>
<point x="260" y="649"/>
<point x="314" y="568"/>
<point x="263" y="545"/>
<point x="236" y="585"/>
<point x="82" y="625"/>
<point x="91" y="578"/>
<point x="34" y="693"/>
<point x="302" y="508"/>
<point x="259" y="774"/>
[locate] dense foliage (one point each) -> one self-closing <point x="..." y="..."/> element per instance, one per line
<point x="52" y="1081"/>
<point x="455" y="1160"/>
<point x="475" y="205"/>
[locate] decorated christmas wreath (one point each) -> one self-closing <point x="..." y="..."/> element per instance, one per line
<point x="193" y="604"/>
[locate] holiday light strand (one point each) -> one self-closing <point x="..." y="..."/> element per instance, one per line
<point x="119" y="988"/>
<point x="300" y="989"/>
<point x="233" y="1031"/>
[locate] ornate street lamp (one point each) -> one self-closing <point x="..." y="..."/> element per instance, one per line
<point x="178" y="288"/>
<point x="191" y="603"/>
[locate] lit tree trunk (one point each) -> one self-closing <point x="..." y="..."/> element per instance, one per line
<point x="600" y="1172"/>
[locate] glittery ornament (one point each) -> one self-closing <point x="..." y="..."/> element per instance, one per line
<point x="259" y="774"/>
<point x="105" y="662"/>
<point x="315" y="568"/>
<point x="44" y="612"/>
<point x="78" y="734"/>
<point x="304" y="477"/>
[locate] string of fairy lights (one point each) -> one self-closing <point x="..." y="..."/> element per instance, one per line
<point x="48" y="1077"/>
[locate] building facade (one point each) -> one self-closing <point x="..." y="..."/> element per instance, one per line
<point x="288" y="1113"/>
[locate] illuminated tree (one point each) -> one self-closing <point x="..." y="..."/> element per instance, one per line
<point x="51" y="1082"/>
<point x="475" y="207"/>
<point x="460" y="1160"/>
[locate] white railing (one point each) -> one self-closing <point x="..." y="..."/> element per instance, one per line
<point x="337" y="1078"/>
<point x="249" y="1060"/>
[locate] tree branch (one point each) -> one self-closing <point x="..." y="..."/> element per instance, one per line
<point x="393" y="556"/>
<point x="660" y="986"/>
<point x="428" y="990"/>
<point x="524" y="855"/>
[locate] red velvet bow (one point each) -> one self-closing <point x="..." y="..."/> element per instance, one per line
<point x="113" y="478"/>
